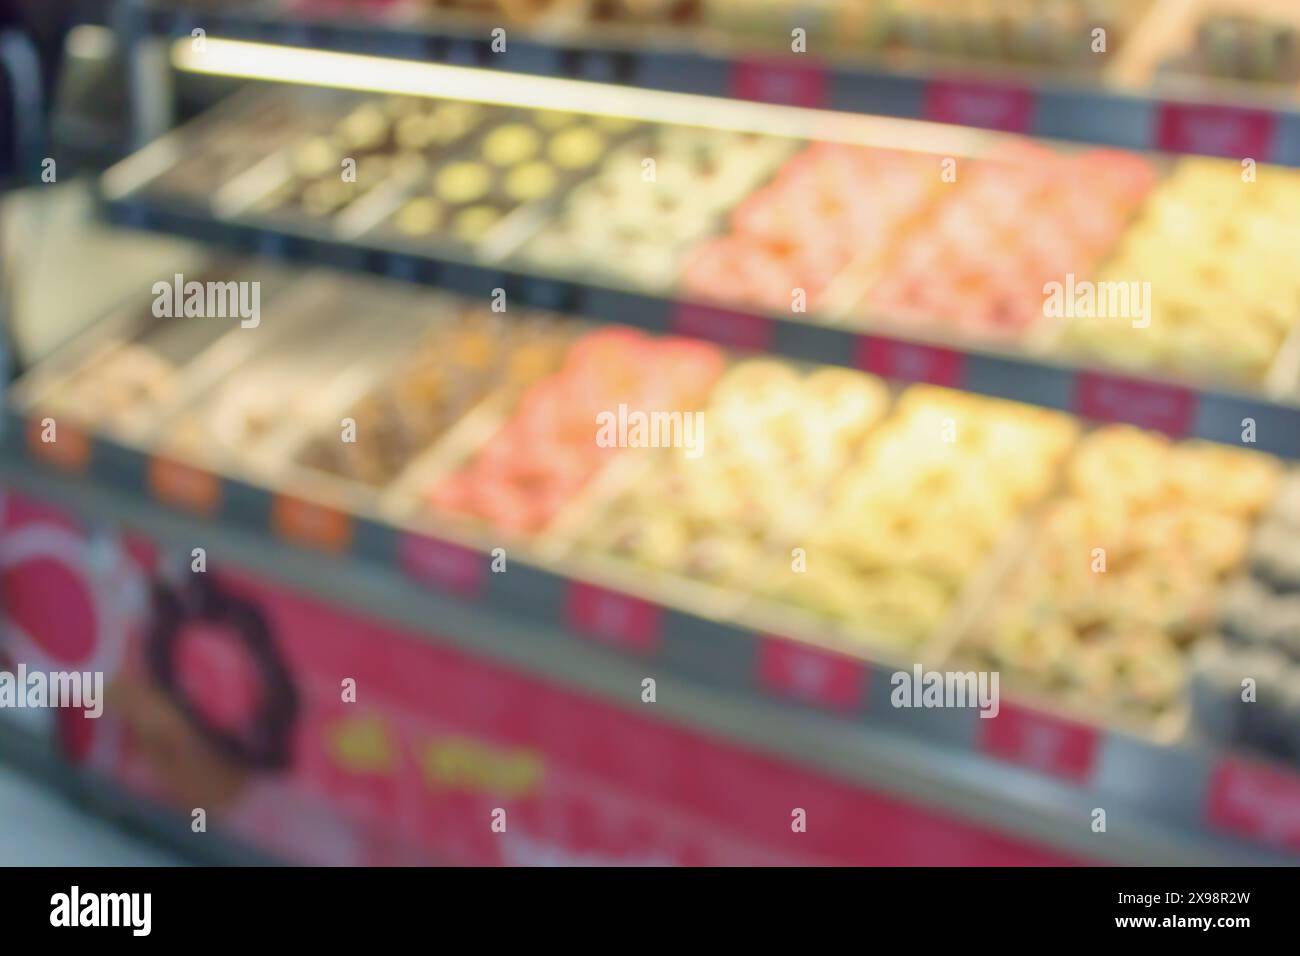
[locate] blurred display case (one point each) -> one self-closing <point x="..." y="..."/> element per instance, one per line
<point x="460" y="268"/>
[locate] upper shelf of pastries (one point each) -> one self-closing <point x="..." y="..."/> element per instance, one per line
<point x="1215" y="77"/>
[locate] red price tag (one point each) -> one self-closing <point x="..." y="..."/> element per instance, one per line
<point x="58" y="444"/>
<point x="1043" y="742"/>
<point x="451" y="567"/>
<point x="314" y="526"/>
<point x="612" y="618"/>
<point x="184" y="486"/>
<point x="1256" y="801"/>
<point x="978" y="103"/>
<point x="738" y="330"/>
<point x="910" y="361"/>
<point x="1216" y="130"/>
<point x="1113" y="398"/>
<point x="811" y="675"/>
<point x="781" y="82"/>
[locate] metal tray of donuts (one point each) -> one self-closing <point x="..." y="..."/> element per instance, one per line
<point x="413" y="401"/>
<point x="1208" y="243"/>
<point x="325" y="340"/>
<point x="636" y="218"/>
<point x="492" y="191"/>
<point x="193" y="164"/>
<point x="909" y="533"/>
<point x="463" y="177"/>
<point x="1117" y="578"/>
<point x="134" y="367"/>
<point x="344" y="179"/>
<point x="700" y="531"/>
<point x="1240" y="50"/>
<point x="514" y="468"/>
<point x="971" y="227"/>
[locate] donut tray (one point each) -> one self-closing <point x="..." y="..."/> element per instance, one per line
<point x="1166" y="726"/>
<point x="1151" y="58"/>
<point x="400" y="499"/>
<point x="266" y="192"/>
<point x="519" y="218"/>
<point x="194" y="163"/>
<point x="548" y="245"/>
<point x="194" y="350"/>
<point x="324" y="338"/>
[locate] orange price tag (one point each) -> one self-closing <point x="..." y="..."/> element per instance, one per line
<point x="307" y="523"/>
<point x="184" y="486"/>
<point x="58" y="444"/>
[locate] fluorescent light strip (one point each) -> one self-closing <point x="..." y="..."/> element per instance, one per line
<point x="349" y="71"/>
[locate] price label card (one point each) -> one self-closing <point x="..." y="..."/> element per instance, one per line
<point x="1043" y="742"/>
<point x="911" y="361"/>
<point x="184" y="486"/>
<point x="450" y="567"/>
<point x="403" y="267"/>
<point x="548" y="294"/>
<point x="312" y="525"/>
<point x="738" y="330"/>
<point x="620" y="620"/>
<point x="465" y="52"/>
<point x="1157" y="405"/>
<point x="1216" y="130"/>
<point x="1256" y="801"/>
<point x="811" y="675"/>
<point x="273" y="245"/>
<point x="59" y="444"/>
<point x="986" y="105"/>
<point x="600" y="66"/>
<point x="780" y="81"/>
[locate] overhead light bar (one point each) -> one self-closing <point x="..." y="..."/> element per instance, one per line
<point x="260" y="61"/>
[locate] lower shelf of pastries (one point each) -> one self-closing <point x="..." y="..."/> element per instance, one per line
<point x="1105" y="573"/>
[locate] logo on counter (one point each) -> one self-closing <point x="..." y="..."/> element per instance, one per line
<point x="133" y="910"/>
<point x="1084" y="299"/>
<point x="946" y="689"/>
<point x="23" y="689"/>
<point x="639" y="429"/>
<point x="208" y="300"/>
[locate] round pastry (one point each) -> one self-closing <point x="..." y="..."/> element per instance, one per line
<point x="366" y="127"/>
<point x="452" y="120"/>
<point x="416" y="131"/>
<point x="530" y="182"/>
<point x="420" y="216"/>
<point x="576" y="148"/>
<point x="472" y="224"/>
<point x="316" y="157"/>
<point x="325" y="197"/>
<point x="511" y="143"/>
<point x="463" y="182"/>
<point x="1153" y="675"/>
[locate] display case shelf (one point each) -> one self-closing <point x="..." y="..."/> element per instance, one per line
<point x="1179" y="408"/>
